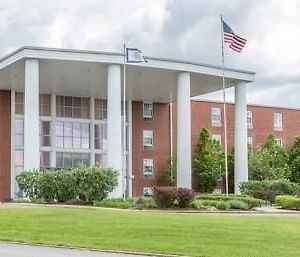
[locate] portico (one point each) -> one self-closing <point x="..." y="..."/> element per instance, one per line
<point x="97" y="76"/>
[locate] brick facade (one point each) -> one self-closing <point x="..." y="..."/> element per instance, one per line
<point x="5" y="149"/>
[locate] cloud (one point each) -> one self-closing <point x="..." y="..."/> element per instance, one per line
<point x="188" y="30"/>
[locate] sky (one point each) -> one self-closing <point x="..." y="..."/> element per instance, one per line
<point x="178" y="29"/>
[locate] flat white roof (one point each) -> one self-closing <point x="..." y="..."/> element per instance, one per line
<point x="84" y="73"/>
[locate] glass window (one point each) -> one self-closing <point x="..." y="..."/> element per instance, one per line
<point x="45" y="105"/>
<point x="45" y="135"/>
<point x="101" y="136"/>
<point x="100" y="109"/>
<point x="147" y="110"/>
<point x="44" y="160"/>
<point x="19" y="103"/>
<point x="19" y="132"/>
<point x="216" y="116"/>
<point x="148" y="168"/>
<point x="278" y="121"/>
<point x="147" y="191"/>
<point x="279" y="142"/>
<point x="72" y="135"/>
<point x="249" y="119"/>
<point x="100" y="159"/>
<point x="73" y="107"/>
<point x="71" y="160"/>
<point x="250" y="141"/>
<point x="148" y="139"/>
<point x="217" y="138"/>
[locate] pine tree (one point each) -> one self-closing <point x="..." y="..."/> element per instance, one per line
<point x="208" y="162"/>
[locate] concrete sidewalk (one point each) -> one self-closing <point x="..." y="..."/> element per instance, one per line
<point x="24" y="250"/>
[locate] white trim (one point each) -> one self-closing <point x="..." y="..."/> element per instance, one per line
<point x="92" y="130"/>
<point x="53" y="131"/>
<point x="117" y="58"/>
<point x="12" y="146"/>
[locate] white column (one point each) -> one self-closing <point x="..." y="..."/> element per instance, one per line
<point x="114" y="128"/>
<point x="240" y="137"/>
<point x="53" y="131"/>
<point x="92" y="130"/>
<point x="31" y="115"/>
<point x="12" y="143"/>
<point x="184" y="170"/>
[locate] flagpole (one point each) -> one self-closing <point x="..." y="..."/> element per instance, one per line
<point x="224" y="108"/>
<point x="124" y="126"/>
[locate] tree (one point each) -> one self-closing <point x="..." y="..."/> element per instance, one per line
<point x="269" y="162"/>
<point x="208" y="162"/>
<point x="170" y="176"/>
<point x="294" y="160"/>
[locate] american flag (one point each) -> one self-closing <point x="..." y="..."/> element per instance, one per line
<point x="236" y="42"/>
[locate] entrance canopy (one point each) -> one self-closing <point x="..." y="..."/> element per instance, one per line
<point x="84" y="73"/>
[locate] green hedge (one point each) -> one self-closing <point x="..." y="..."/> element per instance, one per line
<point x="115" y="203"/>
<point x="219" y="204"/>
<point x="288" y="202"/>
<point x="269" y="189"/>
<point x="249" y="200"/>
<point x="84" y="183"/>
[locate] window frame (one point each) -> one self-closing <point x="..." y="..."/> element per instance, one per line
<point x="148" y="163"/>
<point x="148" y="106"/>
<point x="216" y="112"/>
<point x="148" y="146"/>
<point x="278" y="121"/>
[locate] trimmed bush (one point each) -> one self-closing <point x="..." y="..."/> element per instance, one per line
<point x="238" y="204"/>
<point x="115" y="203"/>
<point x="167" y="197"/>
<point x="84" y="183"/>
<point x="288" y="202"/>
<point x="249" y="200"/>
<point x="145" y="202"/>
<point x="269" y="189"/>
<point x="222" y="205"/>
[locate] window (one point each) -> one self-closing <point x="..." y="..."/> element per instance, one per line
<point x="71" y="160"/>
<point x="249" y="119"/>
<point x="250" y="141"/>
<point x="278" y="121"/>
<point x="19" y="132"/>
<point x="73" y="107"/>
<point x="100" y="109"/>
<point x="45" y="133"/>
<point x="45" y="105"/>
<point x="19" y="161"/>
<point x="100" y="159"/>
<point x="147" y="191"/>
<point x="44" y="160"/>
<point x="279" y="142"/>
<point x="217" y="138"/>
<point x="148" y="168"/>
<point x="148" y="139"/>
<point x="216" y="117"/>
<point x="19" y="103"/>
<point x="73" y="135"/>
<point x="147" y="110"/>
<point x="101" y="136"/>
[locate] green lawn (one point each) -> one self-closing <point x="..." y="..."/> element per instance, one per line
<point x="185" y="234"/>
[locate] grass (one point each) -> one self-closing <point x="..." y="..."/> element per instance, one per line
<point x="157" y="232"/>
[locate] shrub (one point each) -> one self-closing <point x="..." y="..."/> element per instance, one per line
<point x="145" y="202"/>
<point x="196" y="204"/>
<point x="85" y="183"/>
<point x="288" y="202"/>
<point x="238" y="204"/>
<point x="167" y="197"/>
<point x="269" y="189"/>
<point x="115" y="203"/>
<point x="249" y="200"/>
<point x="222" y="205"/>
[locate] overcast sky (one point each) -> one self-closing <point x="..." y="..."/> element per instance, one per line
<point x="181" y="29"/>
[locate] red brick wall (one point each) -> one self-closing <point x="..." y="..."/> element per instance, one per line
<point x="5" y="118"/>
<point x="161" y="151"/>
<point x="201" y="118"/>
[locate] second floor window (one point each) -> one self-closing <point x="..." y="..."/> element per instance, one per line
<point x="249" y="119"/>
<point x="147" y="110"/>
<point x="278" y="121"/>
<point x="216" y="116"/>
<point x="148" y="168"/>
<point x="148" y="139"/>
